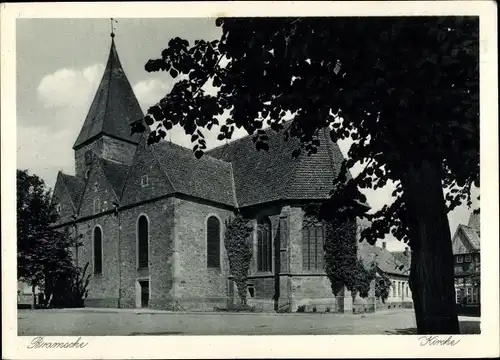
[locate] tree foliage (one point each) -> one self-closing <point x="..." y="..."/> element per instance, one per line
<point x="405" y="90"/>
<point x="44" y="256"/>
<point x="237" y="240"/>
<point x="365" y="79"/>
<point x="382" y="287"/>
<point x="342" y="265"/>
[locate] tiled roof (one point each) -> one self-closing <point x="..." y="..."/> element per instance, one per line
<point x="384" y="259"/>
<point x="75" y="188"/>
<point x="474" y="221"/>
<point x="116" y="174"/>
<point x="114" y="106"/>
<point x="263" y="176"/>
<point x="472" y="235"/>
<point x="206" y="178"/>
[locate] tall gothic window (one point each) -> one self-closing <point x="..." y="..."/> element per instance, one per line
<point x="264" y="246"/>
<point x="313" y="235"/>
<point x="142" y="242"/>
<point x="213" y="242"/>
<point x="97" y="250"/>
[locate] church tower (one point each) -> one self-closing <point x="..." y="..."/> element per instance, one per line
<point x="106" y="130"/>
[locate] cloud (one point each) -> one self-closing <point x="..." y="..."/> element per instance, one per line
<point x="69" y="87"/>
<point x="45" y="141"/>
<point x="149" y="92"/>
<point x="44" y="154"/>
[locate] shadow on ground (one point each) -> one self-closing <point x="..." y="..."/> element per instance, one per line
<point x="466" y="328"/>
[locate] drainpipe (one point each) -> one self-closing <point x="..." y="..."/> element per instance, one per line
<point x="115" y="204"/>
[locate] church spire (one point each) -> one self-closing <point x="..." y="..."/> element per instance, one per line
<point x="114" y="106"/>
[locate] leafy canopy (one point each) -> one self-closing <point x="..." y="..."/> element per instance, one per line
<point x="403" y="89"/>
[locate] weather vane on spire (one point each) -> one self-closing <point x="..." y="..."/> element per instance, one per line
<point x="112" y="23"/>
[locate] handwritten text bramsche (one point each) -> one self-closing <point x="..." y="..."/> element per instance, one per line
<point x="39" y="343"/>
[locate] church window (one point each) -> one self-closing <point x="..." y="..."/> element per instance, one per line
<point x="213" y="242"/>
<point x="264" y="248"/>
<point x="97" y="250"/>
<point x="142" y="242"/>
<point x="97" y="206"/>
<point x="144" y="180"/>
<point x="312" y="247"/>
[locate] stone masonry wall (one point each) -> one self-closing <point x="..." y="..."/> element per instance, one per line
<point x="160" y="272"/>
<point x="196" y="286"/>
<point x="118" y="150"/>
<point x="103" y="288"/>
<point x="80" y="167"/>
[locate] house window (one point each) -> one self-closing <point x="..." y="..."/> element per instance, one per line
<point x="264" y="249"/>
<point x="471" y="295"/>
<point x="213" y="242"/>
<point x="142" y="242"/>
<point x="467" y="258"/>
<point x="312" y="247"/>
<point x="97" y="250"/>
<point x="97" y="206"/>
<point x="460" y="259"/>
<point x="144" y="180"/>
<point x="457" y="295"/>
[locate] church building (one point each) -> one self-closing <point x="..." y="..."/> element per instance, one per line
<point x="152" y="218"/>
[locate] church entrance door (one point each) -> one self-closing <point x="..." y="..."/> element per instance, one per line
<point x="144" y="285"/>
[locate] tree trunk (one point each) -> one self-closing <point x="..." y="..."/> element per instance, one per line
<point x="33" y="302"/>
<point x="432" y="274"/>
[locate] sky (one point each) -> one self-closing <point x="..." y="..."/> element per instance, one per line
<point x="59" y="66"/>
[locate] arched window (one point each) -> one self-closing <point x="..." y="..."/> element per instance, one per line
<point x="312" y="246"/>
<point x="213" y="242"/>
<point x="97" y="250"/>
<point x="142" y="242"/>
<point x="264" y="246"/>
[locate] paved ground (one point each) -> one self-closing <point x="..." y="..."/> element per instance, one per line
<point x="99" y="322"/>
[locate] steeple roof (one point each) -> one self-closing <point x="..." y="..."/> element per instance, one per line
<point x="114" y="106"/>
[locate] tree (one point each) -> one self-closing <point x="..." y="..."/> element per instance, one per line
<point x="44" y="258"/>
<point x="405" y="90"/>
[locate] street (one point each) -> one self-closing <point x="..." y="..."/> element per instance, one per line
<point x="123" y="322"/>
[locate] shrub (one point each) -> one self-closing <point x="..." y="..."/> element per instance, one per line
<point x="301" y="309"/>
